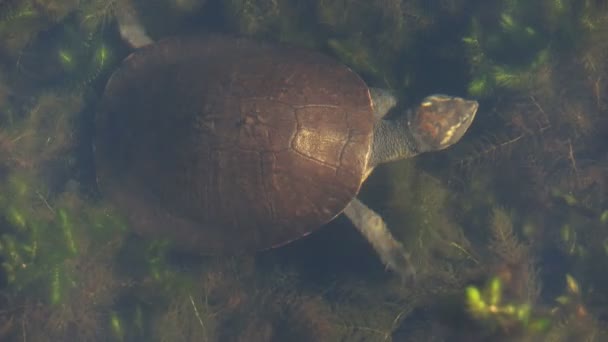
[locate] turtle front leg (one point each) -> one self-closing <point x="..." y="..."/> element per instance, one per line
<point x="131" y="29"/>
<point x="372" y="226"/>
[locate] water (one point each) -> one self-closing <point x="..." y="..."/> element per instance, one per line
<point x="507" y="228"/>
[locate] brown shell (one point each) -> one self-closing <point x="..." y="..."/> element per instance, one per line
<point x="227" y="145"/>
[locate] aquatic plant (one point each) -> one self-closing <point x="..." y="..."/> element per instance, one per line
<point x="196" y="310"/>
<point x="83" y="66"/>
<point x="53" y="42"/>
<point x="532" y="54"/>
<point x="94" y="15"/>
<point x="61" y="283"/>
<point x="22" y="21"/>
<point x="487" y="304"/>
<point x="510" y="303"/>
<point x="43" y="133"/>
<point x="51" y="262"/>
<point x="540" y="68"/>
<point x="567" y="319"/>
<point x="253" y="17"/>
<point x="509" y="296"/>
<point x="511" y="52"/>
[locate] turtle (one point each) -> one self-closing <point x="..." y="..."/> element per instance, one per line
<point x="227" y="145"/>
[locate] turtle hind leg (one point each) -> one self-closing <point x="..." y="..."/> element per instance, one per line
<point x="372" y="226"/>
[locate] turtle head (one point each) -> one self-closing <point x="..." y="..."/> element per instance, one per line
<point x="440" y="121"/>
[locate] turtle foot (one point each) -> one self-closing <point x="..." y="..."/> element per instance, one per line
<point x="372" y="226"/>
<point x="131" y="29"/>
<point x="398" y="261"/>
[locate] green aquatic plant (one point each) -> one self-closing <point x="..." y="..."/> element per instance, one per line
<point x="280" y="20"/>
<point x="373" y="24"/>
<point x="42" y="133"/>
<point x="62" y="282"/>
<point x="566" y="320"/>
<point x="487" y="305"/>
<point x="23" y="21"/>
<point x="199" y="304"/>
<point x="510" y="305"/>
<point x="519" y="50"/>
<point x="508" y="300"/>
<point x="58" y="260"/>
<point x="49" y="234"/>
<point x="573" y="320"/>
<point x="377" y="38"/>
<point x="42" y="236"/>
<point x="83" y="67"/>
<point x="419" y="203"/>
<point x="253" y="17"/>
<point x="57" y="42"/>
<point x="76" y="57"/>
<point x="188" y="317"/>
<point x="94" y="15"/>
<point x="354" y="53"/>
<point x="490" y="75"/>
<point x="4" y="96"/>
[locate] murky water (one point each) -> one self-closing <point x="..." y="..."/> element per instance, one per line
<point x="507" y="229"/>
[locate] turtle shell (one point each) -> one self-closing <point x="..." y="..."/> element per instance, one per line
<point x="225" y="144"/>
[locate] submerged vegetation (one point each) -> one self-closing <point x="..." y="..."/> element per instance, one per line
<point x="508" y="229"/>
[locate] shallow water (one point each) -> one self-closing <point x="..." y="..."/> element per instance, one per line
<point x="506" y="229"/>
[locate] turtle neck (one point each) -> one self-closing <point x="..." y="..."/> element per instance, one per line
<point x="392" y="141"/>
